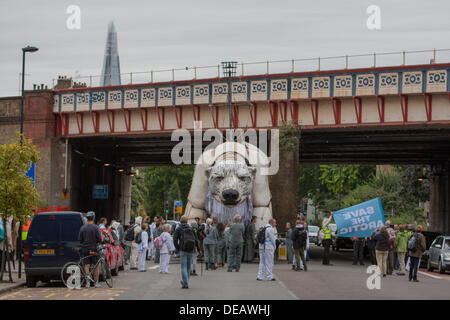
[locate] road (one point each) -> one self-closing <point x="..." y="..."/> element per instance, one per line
<point x="340" y="281"/>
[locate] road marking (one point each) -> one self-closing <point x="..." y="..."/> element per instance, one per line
<point x="287" y="289"/>
<point x="430" y="275"/>
<point x="154" y="267"/>
<point x="51" y="294"/>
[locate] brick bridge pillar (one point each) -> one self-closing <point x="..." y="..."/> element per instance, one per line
<point x="440" y="198"/>
<point x="39" y="125"/>
<point x="284" y="188"/>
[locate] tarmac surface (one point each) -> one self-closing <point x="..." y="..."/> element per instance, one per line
<point x="342" y="280"/>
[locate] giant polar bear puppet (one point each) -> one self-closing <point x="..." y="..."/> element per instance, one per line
<point x="231" y="171"/>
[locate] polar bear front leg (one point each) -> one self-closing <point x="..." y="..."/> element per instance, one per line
<point x="263" y="215"/>
<point x="191" y="213"/>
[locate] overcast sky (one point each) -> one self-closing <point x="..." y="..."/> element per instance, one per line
<point x="156" y="35"/>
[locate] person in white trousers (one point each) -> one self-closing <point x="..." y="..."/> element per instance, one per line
<point x="143" y="246"/>
<point x="134" y="245"/>
<point x="166" y="251"/>
<point x="267" y="252"/>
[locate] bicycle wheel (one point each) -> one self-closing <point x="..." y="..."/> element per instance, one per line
<point x="72" y="275"/>
<point x="106" y="270"/>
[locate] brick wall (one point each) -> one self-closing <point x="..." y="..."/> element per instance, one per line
<point x="9" y="118"/>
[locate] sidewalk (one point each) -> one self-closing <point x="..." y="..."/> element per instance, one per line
<point x="5" y="285"/>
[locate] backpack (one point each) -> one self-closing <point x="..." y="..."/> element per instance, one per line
<point x="129" y="235"/>
<point x="301" y="237"/>
<point x="2" y="230"/>
<point x="413" y="243"/>
<point x="158" y="242"/>
<point x="138" y="238"/>
<point x="262" y="235"/>
<point x="188" y="240"/>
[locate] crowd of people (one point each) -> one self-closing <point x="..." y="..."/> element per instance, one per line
<point x="397" y="248"/>
<point x="216" y="244"/>
<point x="387" y="247"/>
<point x="221" y="245"/>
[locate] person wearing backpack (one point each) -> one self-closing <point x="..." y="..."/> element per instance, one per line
<point x="127" y="239"/>
<point x="196" y="251"/>
<point x="166" y="249"/>
<point x="184" y="242"/>
<point x="135" y="245"/>
<point x="416" y="247"/>
<point x="299" y="238"/>
<point x="267" y="245"/>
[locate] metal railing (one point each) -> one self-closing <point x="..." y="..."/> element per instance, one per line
<point x="277" y="66"/>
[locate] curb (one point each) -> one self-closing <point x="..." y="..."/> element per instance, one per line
<point x="12" y="286"/>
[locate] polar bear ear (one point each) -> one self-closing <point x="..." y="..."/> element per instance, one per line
<point x="252" y="171"/>
<point x="208" y="172"/>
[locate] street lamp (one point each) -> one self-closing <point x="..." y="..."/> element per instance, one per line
<point x="24" y="50"/>
<point x="229" y="71"/>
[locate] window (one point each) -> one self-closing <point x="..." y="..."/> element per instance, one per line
<point x="439" y="241"/>
<point x="447" y="243"/>
<point x="70" y="228"/>
<point x="44" y="230"/>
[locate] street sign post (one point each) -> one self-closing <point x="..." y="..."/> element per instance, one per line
<point x="100" y="191"/>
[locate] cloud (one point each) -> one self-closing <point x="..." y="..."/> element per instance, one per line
<point x="171" y="34"/>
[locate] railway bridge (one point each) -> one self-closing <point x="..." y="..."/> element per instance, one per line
<point x="94" y="135"/>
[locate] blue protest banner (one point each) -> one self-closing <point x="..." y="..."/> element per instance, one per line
<point x="32" y="172"/>
<point x="360" y="220"/>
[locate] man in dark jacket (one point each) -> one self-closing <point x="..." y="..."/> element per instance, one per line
<point x="299" y="237"/>
<point x="358" y="251"/>
<point x="416" y="254"/>
<point x="185" y="256"/>
<point x="371" y="244"/>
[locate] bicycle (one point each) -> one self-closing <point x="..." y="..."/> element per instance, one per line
<point x="71" y="270"/>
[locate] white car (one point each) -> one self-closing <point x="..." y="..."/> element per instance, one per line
<point x="313" y="234"/>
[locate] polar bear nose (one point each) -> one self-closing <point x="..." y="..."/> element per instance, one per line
<point x="230" y="194"/>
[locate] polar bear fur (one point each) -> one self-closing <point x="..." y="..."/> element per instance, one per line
<point x="231" y="165"/>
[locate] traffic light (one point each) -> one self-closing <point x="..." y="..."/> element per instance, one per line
<point x="166" y="207"/>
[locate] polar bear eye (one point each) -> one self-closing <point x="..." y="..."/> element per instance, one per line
<point x="218" y="177"/>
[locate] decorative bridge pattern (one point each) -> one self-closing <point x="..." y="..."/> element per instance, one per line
<point x="389" y="95"/>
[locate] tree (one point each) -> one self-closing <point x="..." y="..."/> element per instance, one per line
<point x="387" y="187"/>
<point x="17" y="193"/>
<point x="150" y="191"/>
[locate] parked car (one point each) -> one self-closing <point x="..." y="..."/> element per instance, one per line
<point x="430" y="236"/>
<point x="173" y="225"/>
<point x="342" y="243"/>
<point x="49" y="245"/>
<point x="439" y="254"/>
<point x="114" y="252"/>
<point x="313" y="234"/>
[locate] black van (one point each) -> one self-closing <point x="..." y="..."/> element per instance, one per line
<point x="51" y="237"/>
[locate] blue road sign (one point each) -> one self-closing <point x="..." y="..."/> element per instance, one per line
<point x="100" y="191"/>
<point x="32" y="172"/>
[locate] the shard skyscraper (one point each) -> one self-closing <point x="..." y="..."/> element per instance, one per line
<point x="111" y="64"/>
